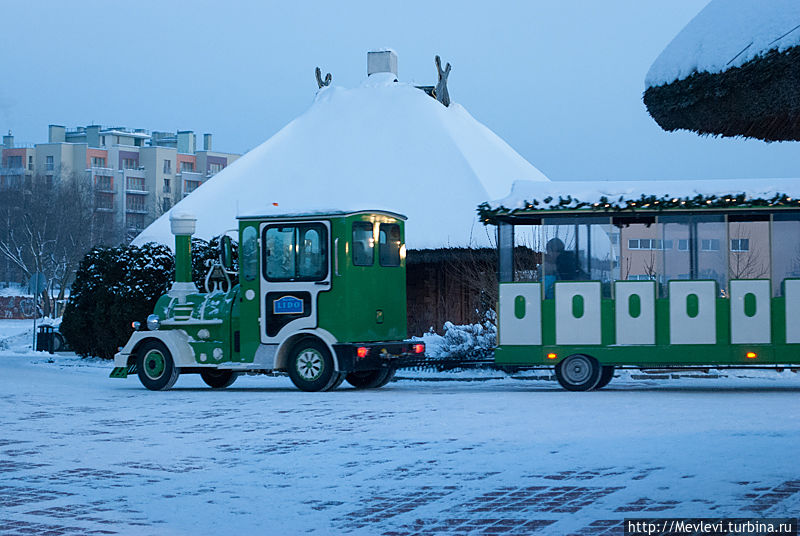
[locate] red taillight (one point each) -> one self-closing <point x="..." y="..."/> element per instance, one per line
<point x="418" y="348"/>
<point x="751" y="355"/>
<point x="362" y="351"/>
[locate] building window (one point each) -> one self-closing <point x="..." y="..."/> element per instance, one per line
<point x="187" y="166"/>
<point x="215" y="168"/>
<point x="135" y="183"/>
<point x="709" y="244"/>
<point x="740" y="244"/>
<point x="15" y="162"/>
<point x="649" y="243"/>
<point x="129" y="163"/>
<point x="102" y="140"/>
<point x="134" y="203"/>
<point x="102" y="182"/>
<point x="166" y="204"/>
<point x="167" y="167"/>
<point x="683" y="244"/>
<point x="104" y="201"/>
<point x="167" y="186"/>
<point x="49" y="164"/>
<point x="98" y="161"/>
<point x="190" y="186"/>
<point x="30" y="163"/>
<point x="135" y="222"/>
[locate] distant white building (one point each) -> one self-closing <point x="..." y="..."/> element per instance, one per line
<point x="136" y="175"/>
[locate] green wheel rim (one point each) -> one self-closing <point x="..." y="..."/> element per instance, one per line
<point x="310" y="365"/>
<point x="154" y="364"/>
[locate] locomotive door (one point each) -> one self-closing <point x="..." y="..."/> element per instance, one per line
<point x="296" y="268"/>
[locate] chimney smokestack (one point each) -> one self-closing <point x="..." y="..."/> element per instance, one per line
<point x="382" y="61"/>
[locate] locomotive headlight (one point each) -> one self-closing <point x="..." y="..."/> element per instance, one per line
<point x="153" y="323"/>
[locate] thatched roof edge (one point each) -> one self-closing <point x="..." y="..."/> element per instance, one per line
<point x="760" y="99"/>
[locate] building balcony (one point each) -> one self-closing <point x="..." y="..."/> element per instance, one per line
<point x="102" y="171"/>
<point x="190" y="176"/>
<point x="13" y="171"/>
<point x="138" y="173"/>
<point x="136" y="210"/>
<point x="103" y="209"/>
<point x="135" y="190"/>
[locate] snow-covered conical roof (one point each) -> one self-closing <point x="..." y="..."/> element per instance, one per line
<point x="383" y="145"/>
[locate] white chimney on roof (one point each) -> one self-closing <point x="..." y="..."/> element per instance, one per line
<point x="382" y="61"/>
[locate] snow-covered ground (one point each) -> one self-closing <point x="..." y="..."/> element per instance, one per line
<point x="81" y="453"/>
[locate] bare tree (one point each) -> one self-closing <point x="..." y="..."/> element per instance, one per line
<point x="47" y="225"/>
<point x="747" y="263"/>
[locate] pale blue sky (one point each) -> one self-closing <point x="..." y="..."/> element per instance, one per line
<point x="560" y="80"/>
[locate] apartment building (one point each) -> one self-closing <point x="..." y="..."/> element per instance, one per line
<point x="136" y="175"/>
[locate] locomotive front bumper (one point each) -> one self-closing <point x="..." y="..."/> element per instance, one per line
<point x="354" y="357"/>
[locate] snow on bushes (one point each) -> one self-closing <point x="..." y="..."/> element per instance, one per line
<point x="115" y="286"/>
<point x="466" y="342"/>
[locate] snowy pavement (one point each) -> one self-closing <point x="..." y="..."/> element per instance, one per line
<point x="84" y="454"/>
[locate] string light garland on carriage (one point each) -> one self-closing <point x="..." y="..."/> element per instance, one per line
<point x="604" y="204"/>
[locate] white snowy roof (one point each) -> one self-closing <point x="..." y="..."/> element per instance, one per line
<point x="524" y="192"/>
<point x="726" y="34"/>
<point x="383" y="145"/>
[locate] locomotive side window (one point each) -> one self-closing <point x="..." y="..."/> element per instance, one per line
<point x="249" y="252"/>
<point x="363" y="244"/>
<point x="295" y="252"/>
<point x="390" y="242"/>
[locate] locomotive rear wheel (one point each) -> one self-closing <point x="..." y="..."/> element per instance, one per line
<point x="310" y="366"/>
<point x="370" y="379"/>
<point x="155" y="366"/>
<point x="578" y="372"/>
<point x="218" y="379"/>
<point x="605" y="376"/>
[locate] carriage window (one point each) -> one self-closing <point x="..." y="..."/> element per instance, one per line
<point x="642" y="251"/>
<point x="578" y="249"/>
<point x="296" y="252"/>
<point x="701" y="251"/>
<point x="390" y="242"/>
<point x="748" y="256"/>
<point x="786" y="250"/>
<point x="527" y="252"/>
<point x="249" y="252"/>
<point x="363" y="244"/>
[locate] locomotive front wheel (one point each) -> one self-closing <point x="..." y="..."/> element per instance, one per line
<point x="311" y="366"/>
<point x="218" y="379"/>
<point x="605" y="376"/>
<point x="370" y="379"/>
<point x="155" y="366"/>
<point x="578" y="372"/>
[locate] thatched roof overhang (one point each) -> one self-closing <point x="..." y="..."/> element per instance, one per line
<point x="760" y="99"/>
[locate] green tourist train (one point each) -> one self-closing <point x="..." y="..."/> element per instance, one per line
<point x="591" y="280"/>
<point x="319" y="296"/>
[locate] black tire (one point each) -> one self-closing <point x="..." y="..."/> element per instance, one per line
<point x="218" y="379"/>
<point x="338" y="381"/>
<point x="605" y="376"/>
<point x="578" y="372"/>
<point x="310" y="366"/>
<point x="370" y="379"/>
<point x="58" y="342"/>
<point x="155" y="366"/>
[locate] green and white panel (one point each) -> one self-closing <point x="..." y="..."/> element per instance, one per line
<point x="692" y="312"/>
<point x="578" y="316"/>
<point x="635" y="310"/>
<point x="791" y="288"/>
<point x="750" y="311"/>
<point x="521" y="313"/>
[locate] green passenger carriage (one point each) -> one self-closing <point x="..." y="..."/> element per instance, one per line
<point x="595" y="276"/>
<point x="320" y="296"/>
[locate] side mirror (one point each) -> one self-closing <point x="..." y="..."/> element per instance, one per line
<point x="226" y="252"/>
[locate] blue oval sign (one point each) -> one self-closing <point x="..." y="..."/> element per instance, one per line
<point x="287" y="305"/>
